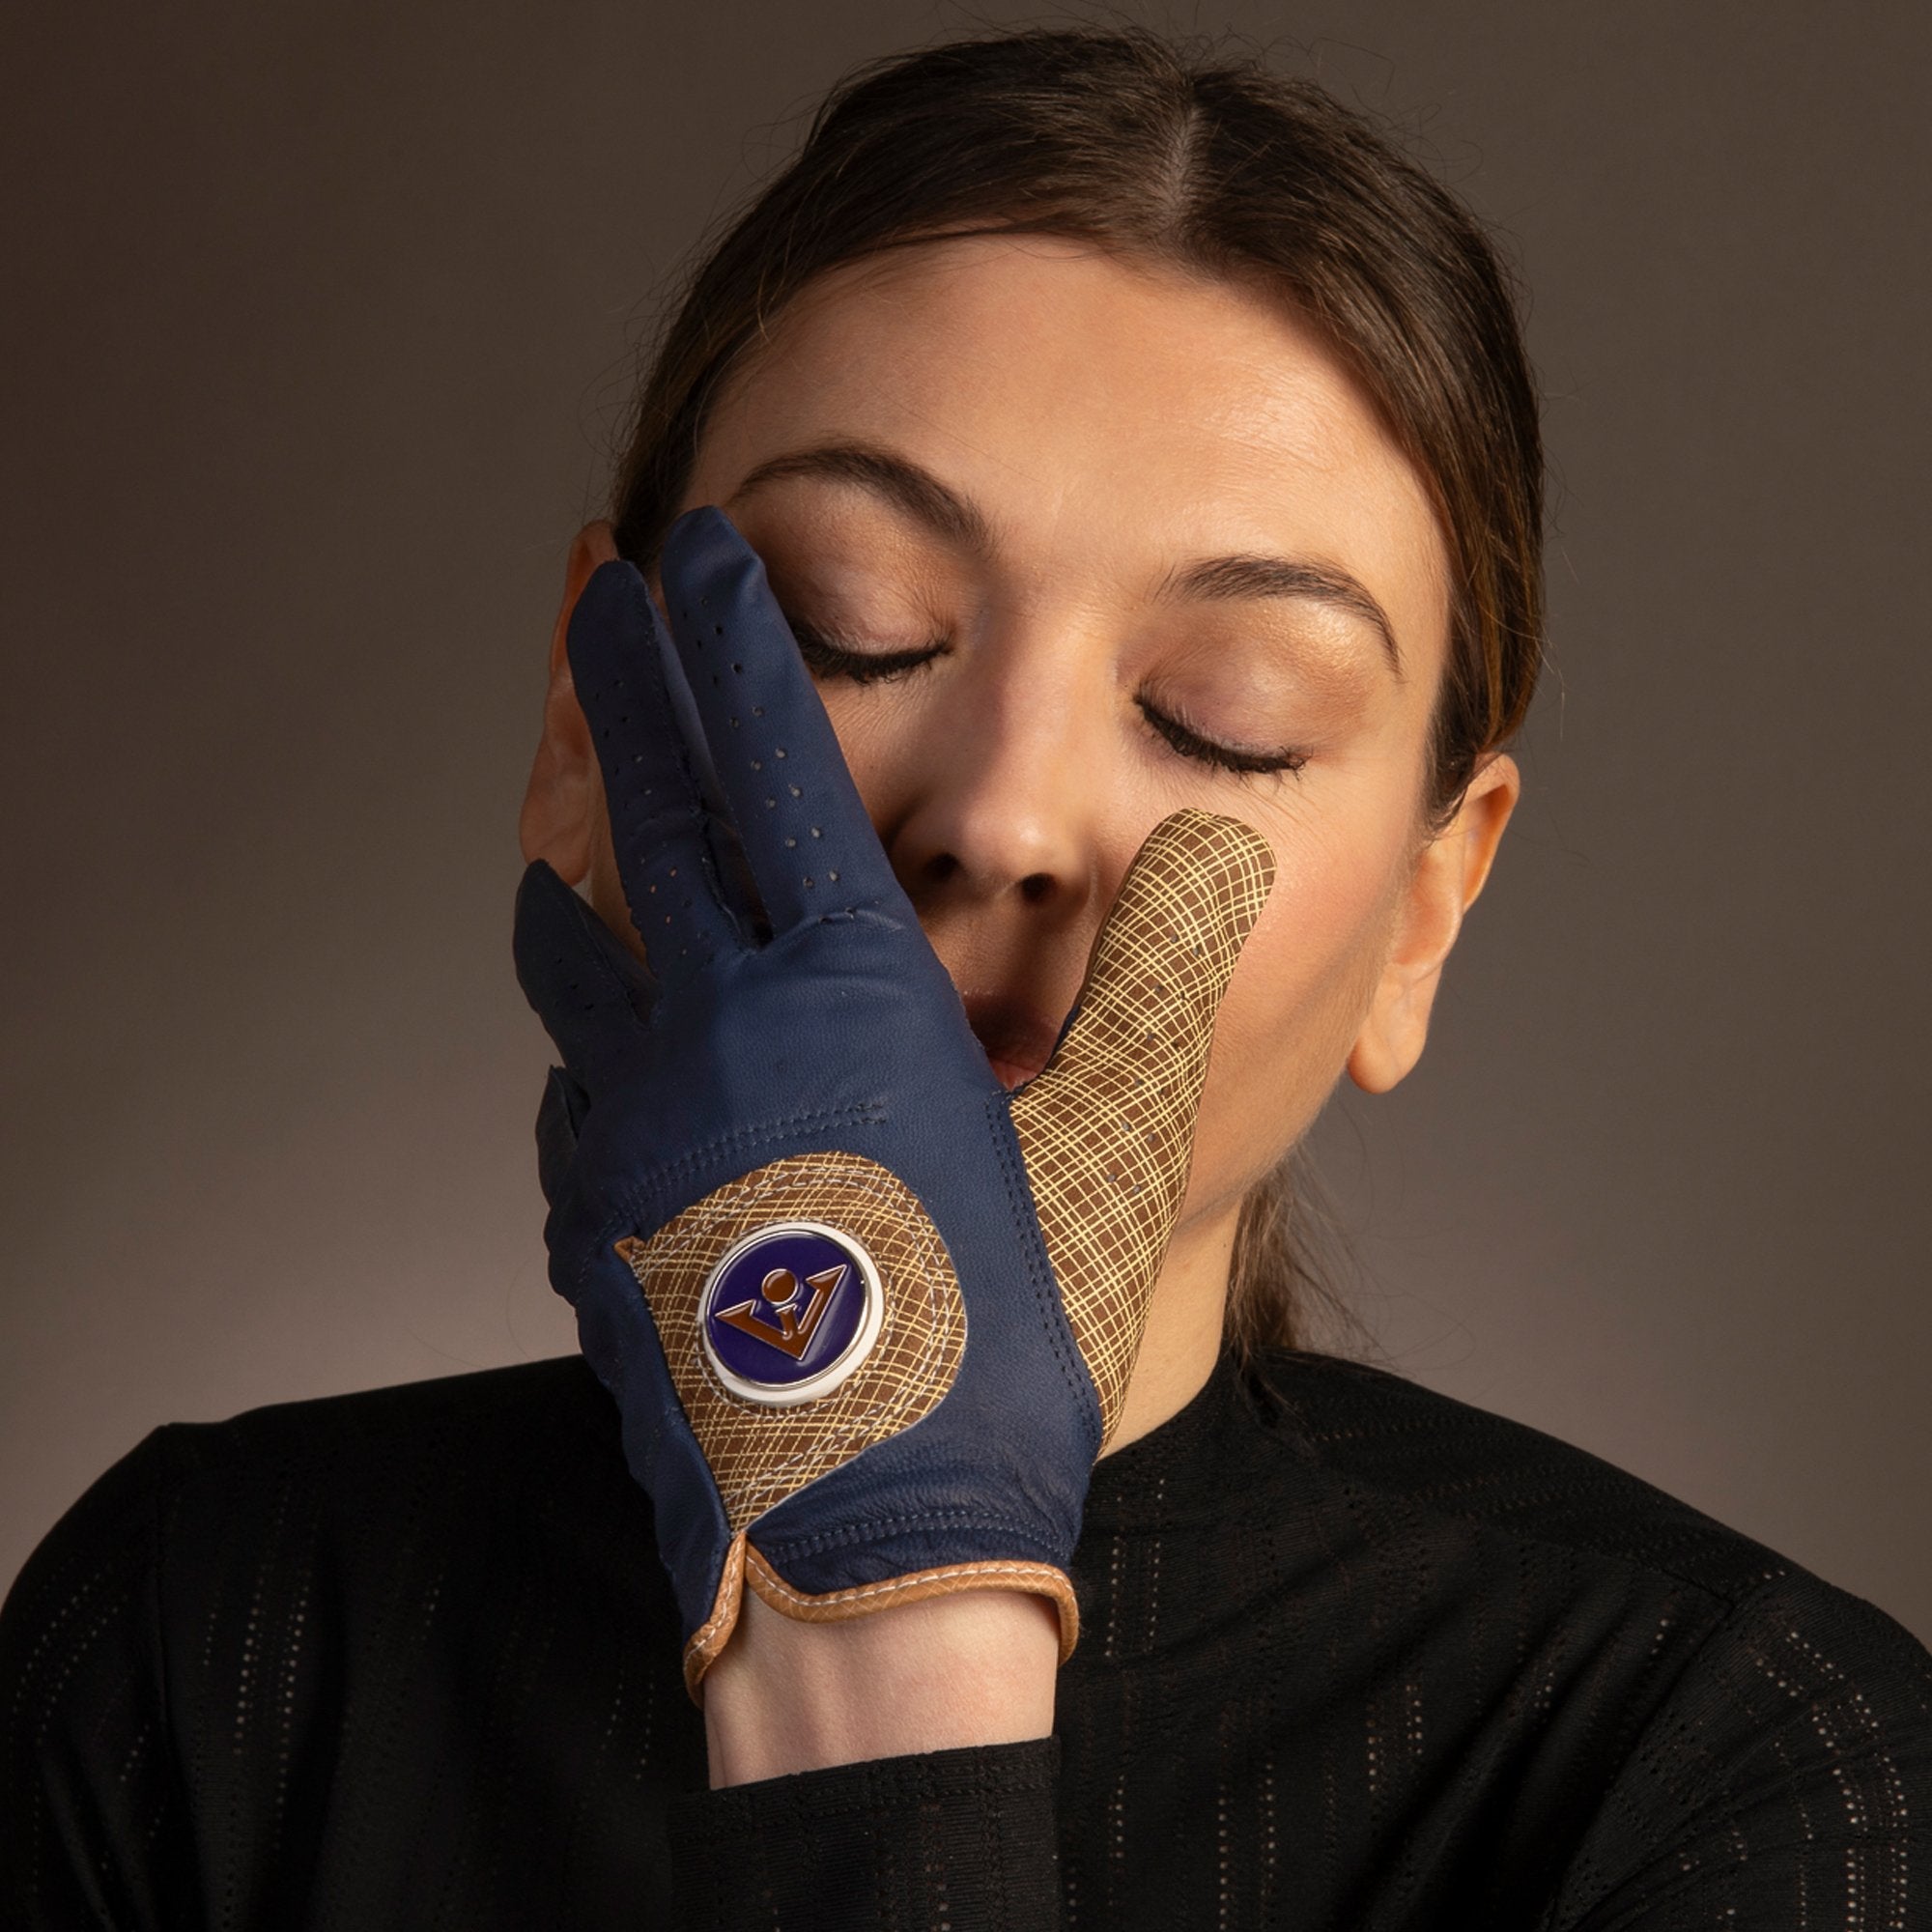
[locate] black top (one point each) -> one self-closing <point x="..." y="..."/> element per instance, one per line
<point x="1355" y="1655"/>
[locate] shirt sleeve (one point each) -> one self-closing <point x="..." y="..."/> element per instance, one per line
<point x="1784" y="1784"/>
<point x="88" y="1809"/>
<point x="961" y="1839"/>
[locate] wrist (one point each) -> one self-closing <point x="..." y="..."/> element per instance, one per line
<point x="938" y="1674"/>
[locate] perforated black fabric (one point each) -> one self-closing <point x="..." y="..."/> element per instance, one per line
<point x="1354" y="1655"/>
<point x="959" y="1839"/>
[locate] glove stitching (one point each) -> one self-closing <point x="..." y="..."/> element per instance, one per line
<point x="1059" y="1336"/>
<point x="631" y="1206"/>
<point x="836" y="1442"/>
<point x="902" y="1396"/>
<point x="957" y="1519"/>
<point x="890" y="1585"/>
<point x="696" y="809"/>
<point x="605" y="967"/>
<point x="771" y="1131"/>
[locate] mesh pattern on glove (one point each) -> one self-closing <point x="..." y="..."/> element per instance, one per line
<point x="1108" y="1131"/>
<point x="759" y="1456"/>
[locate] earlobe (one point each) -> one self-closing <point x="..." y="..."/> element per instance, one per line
<point x="563" y="801"/>
<point x="1449" y="874"/>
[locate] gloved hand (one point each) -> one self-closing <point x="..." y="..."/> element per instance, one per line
<point x="867" y="1316"/>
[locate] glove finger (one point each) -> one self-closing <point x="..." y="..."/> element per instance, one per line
<point x="560" y="1118"/>
<point x="807" y="834"/>
<point x="685" y="901"/>
<point x="1107" y="1129"/>
<point x="591" y="994"/>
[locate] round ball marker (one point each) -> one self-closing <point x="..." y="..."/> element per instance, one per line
<point x="789" y="1311"/>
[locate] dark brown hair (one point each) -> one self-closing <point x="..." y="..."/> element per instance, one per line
<point x="1219" y="168"/>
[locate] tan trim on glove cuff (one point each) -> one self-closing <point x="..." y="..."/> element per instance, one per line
<point x="744" y="1564"/>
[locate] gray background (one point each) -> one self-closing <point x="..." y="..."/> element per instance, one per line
<point x="320" y="325"/>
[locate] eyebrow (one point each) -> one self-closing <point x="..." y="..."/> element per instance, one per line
<point x="960" y="523"/>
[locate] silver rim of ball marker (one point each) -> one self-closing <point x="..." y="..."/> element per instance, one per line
<point x="789" y="1395"/>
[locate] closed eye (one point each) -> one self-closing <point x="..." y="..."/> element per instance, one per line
<point x="824" y="658"/>
<point x="1190" y="744"/>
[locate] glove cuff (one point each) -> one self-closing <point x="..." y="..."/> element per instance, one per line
<point x="745" y="1566"/>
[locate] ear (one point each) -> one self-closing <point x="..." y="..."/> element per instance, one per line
<point x="564" y="802"/>
<point x="1449" y="874"/>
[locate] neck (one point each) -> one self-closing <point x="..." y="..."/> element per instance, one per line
<point x="1181" y="1341"/>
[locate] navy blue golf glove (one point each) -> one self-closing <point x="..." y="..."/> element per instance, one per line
<point x="867" y="1316"/>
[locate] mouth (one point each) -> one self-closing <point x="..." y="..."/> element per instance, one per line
<point x="1019" y="1038"/>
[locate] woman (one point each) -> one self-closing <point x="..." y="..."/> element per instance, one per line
<point x="1065" y="605"/>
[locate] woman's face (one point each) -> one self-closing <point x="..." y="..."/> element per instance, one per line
<point x="1069" y="545"/>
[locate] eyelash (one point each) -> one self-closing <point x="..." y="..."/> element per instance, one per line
<point x="1205" y="750"/>
<point x="826" y="659"/>
<point x="822" y="654"/>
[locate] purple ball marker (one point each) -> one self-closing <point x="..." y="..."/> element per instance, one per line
<point x="789" y="1311"/>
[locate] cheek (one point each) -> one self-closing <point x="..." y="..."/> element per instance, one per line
<point x="1292" y="1010"/>
<point x="1309" y="969"/>
<point x="885" y="733"/>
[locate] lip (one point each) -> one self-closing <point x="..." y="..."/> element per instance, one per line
<point x="1019" y="1039"/>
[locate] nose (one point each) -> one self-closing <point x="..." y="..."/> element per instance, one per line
<point x="1007" y="794"/>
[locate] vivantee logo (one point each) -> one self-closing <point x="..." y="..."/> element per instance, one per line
<point x="789" y="1311"/>
<point x="779" y="1288"/>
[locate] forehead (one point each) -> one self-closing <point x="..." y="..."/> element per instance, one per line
<point x="1106" y="413"/>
